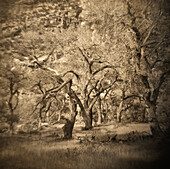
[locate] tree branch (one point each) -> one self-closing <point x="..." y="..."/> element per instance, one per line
<point x="45" y="60"/>
<point x="145" y="81"/>
<point x="59" y="88"/>
<point x="126" y="108"/>
<point x="98" y="93"/>
<point x="151" y="29"/>
<point x="102" y="68"/>
<point x="39" y="85"/>
<point x="93" y="88"/>
<point x="80" y="105"/>
<point x="86" y="59"/>
<point x="153" y="65"/>
<point x="17" y="100"/>
<point x="107" y="92"/>
<point x="127" y="97"/>
<point x="148" y="35"/>
<point x="71" y="71"/>
<point x="156" y="91"/>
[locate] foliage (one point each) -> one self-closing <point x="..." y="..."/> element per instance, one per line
<point x="115" y="54"/>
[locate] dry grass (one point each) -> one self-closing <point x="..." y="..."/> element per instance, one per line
<point x="24" y="153"/>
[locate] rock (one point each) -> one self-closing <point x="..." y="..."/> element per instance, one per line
<point x="4" y="127"/>
<point x="17" y="33"/>
<point x="102" y="138"/>
<point x="21" y="132"/>
<point x="155" y="130"/>
<point x="122" y="137"/>
<point x="34" y="132"/>
<point x="112" y="137"/>
<point x="133" y="136"/>
<point x="93" y="138"/>
<point x="146" y="135"/>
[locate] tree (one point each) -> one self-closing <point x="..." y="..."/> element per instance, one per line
<point x="92" y="88"/>
<point x="151" y="58"/>
<point x="136" y="34"/>
<point x="96" y="83"/>
<point x="118" y="50"/>
<point x="92" y="80"/>
<point x="12" y="81"/>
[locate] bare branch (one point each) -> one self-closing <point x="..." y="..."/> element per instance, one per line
<point x="101" y="91"/>
<point x="145" y="81"/>
<point x="147" y="62"/>
<point x="126" y="108"/>
<point x="38" y="64"/>
<point x="71" y="71"/>
<point x="35" y="58"/>
<point x="153" y="65"/>
<point x="93" y="102"/>
<point x="151" y="29"/>
<point x="49" y="106"/>
<point x="86" y="59"/>
<point x="93" y="88"/>
<point x="17" y="100"/>
<point x="145" y="8"/>
<point x="156" y="46"/>
<point x="40" y="87"/>
<point x="107" y="92"/>
<point x="45" y="60"/>
<point x="16" y="91"/>
<point x="36" y="106"/>
<point x="156" y="91"/>
<point x="130" y="96"/>
<point x="148" y="35"/>
<point x="102" y="68"/>
<point x="41" y="59"/>
<point x="59" y="88"/>
<point x="80" y="104"/>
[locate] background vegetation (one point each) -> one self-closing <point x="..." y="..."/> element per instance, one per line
<point x="79" y="64"/>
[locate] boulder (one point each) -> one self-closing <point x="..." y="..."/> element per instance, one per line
<point x="102" y="138"/>
<point x="112" y="137"/>
<point x="122" y="137"/>
<point x="134" y="135"/>
<point x="4" y="127"/>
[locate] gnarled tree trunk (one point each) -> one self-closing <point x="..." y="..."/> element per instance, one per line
<point x="119" y="110"/>
<point x="68" y="127"/>
<point x="100" y="120"/>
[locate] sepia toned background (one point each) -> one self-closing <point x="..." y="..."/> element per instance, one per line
<point x="84" y="83"/>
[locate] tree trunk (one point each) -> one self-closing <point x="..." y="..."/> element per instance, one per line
<point x="11" y="121"/>
<point x="88" y="123"/>
<point x="99" y="111"/>
<point x="39" y="122"/>
<point x="119" y="111"/>
<point x="155" y="127"/>
<point x="145" y="115"/>
<point x="40" y="117"/>
<point x="47" y="117"/>
<point x="68" y="127"/>
<point x="11" y="124"/>
<point x="85" y="112"/>
<point x="89" y="119"/>
<point x="59" y="115"/>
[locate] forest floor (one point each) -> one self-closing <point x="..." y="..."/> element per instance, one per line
<point x="87" y="150"/>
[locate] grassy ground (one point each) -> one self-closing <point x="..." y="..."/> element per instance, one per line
<point x="32" y="153"/>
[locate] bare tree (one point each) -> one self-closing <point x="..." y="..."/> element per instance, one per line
<point x="14" y="84"/>
<point x="90" y="92"/>
<point x="151" y="57"/>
